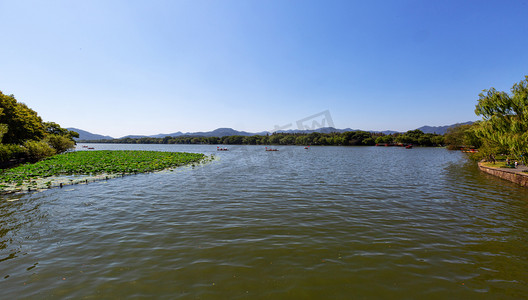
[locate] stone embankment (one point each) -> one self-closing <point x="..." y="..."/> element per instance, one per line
<point x="516" y="175"/>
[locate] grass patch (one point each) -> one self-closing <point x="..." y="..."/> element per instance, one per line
<point x="494" y="165"/>
<point x="98" y="162"/>
<point x="499" y="164"/>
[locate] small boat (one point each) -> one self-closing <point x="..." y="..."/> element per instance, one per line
<point x="90" y="148"/>
<point x="408" y="147"/>
<point x="221" y="149"/>
<point x="271" y="149"/>
<point x="307" y="147"/>
<point x="85" y="146"/>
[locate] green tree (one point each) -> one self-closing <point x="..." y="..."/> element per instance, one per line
<point x="437" y="140"/>
<point x="425" y="140"/>
<point x="212" y="140"/>
<point x="60" y="143"/>
<point x="405" y="139"/>
<point x="10" y="151"/>
<point x="250" y="140"/>
<point x="264" y="140"/>
<point x="462" y="136"/>
<point x="385" y="139"/>
<point x="369" y="141"/>
<point x="22" y="122"/>
<point x="274" y="139"/>
<point x="505" y="119"/>
<point x="287" y="140"/>
<point x="3" y="130"/>
<point x="3" y="127"/>
<point x="37" y="150"/>
<point x="301" y="140"/>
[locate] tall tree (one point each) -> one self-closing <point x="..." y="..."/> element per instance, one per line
<point x="505" y="118"/>
<point x="22" y="122"/>
<point x="462" y="136"/>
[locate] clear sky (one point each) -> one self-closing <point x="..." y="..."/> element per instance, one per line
<point x="148" y="67"/>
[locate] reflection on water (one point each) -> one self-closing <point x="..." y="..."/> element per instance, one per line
<point x="328" y="222"/>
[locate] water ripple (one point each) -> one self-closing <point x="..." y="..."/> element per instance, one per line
<point x="329" y="222"/>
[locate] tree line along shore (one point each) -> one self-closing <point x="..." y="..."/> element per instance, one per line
<point x="349" y="138"/>
<point x="36" y="155"/>
<point x="501" y="134"/>
<point x="24" y="137"/>
<point x="501" y="137"/>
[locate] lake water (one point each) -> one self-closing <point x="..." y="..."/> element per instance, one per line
<point x="323" y="223"/>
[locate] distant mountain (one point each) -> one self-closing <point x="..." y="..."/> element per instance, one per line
<point x="320" y="130"/>
<point x="386" y="132"/>
<point x="221" y="132"/>
<point x="217" y="132"/>
<point x="332" y="129"/>
<point x="441" y="129"/>
<point x="85" y="135"/>
<point x="162" y="135"/>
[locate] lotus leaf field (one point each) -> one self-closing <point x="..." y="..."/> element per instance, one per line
<point x="93" y="163"/>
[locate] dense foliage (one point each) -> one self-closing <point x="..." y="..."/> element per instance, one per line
<point x="462" y="136"/>
<point x="23" y="134"/>
<point x="98" y="162"/>
<point x="505" y="119"/>
<point x="350" y="138"/>
<point x="22" y="123"/>
<point x="504" y="126"/>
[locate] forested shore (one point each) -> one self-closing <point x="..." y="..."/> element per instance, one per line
<point x="502" y="134"/>
<point x="25" y="137"/>
<point x="349" y="138"/>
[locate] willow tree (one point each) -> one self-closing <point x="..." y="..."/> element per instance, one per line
<point x="505" y="118"/>
<point x="463" y="136"/>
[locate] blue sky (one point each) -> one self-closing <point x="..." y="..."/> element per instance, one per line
<point x="148" y="67"/>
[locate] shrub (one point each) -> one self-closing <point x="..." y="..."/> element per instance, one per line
<point x="9" y="151"/>
<point x="59" y="143"/>
<point x="38" y="150"/>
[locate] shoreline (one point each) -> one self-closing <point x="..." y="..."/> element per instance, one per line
<point x="514" y="175"/>
<point x="60" y="181"/>
<point x="37" y="184"/>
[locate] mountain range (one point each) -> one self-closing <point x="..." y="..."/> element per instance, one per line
<point x="441" y="129"/>
<point x="88" y="136"/>
<point x="85" y="135"/>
